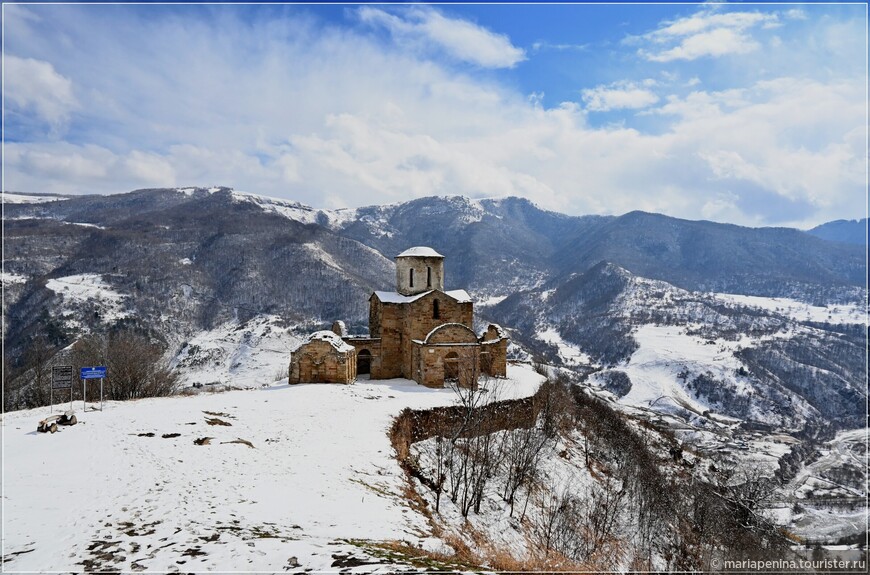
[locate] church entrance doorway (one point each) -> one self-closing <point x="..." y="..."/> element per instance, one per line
<point x="364" y="362"/>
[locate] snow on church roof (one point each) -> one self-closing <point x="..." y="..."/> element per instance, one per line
<point x="329" y="337"/>
<point x="420" y="251"/>
<point x="460" y="295"/>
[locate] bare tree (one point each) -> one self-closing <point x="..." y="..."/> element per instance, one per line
<point x="136" y="367"/>
<point x="471" y="453"/>
<point x="599" y="515"/>
<point x="30" y="384"/>
<point x="554" y="503"/>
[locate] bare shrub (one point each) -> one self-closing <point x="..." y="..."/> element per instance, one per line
<point x="135" y="364"/>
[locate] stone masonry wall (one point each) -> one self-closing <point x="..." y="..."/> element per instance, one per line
<point x="319" y="362"/>
<point x="374" y="347"/>
<point x="432" y="359"/>
<point x="391" y="326"/>
<point x="452" y="333"/>
<point x="419" y="320"/>
<point x="419" y="265"/>
<point x="493" y="358"/>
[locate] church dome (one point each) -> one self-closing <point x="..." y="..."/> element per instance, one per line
<point x="419" y="252"/>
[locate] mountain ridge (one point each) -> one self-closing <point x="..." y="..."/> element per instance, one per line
<point x="180" y="262"/>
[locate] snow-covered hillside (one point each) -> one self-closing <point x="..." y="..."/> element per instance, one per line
<point x="801" y="311"/>
<point x="137" y="487"/>
<point x="14" y="198"/>
<point x="695" y="354"/>
<point x="237" y="354"/>
<point x="80" y="289"/>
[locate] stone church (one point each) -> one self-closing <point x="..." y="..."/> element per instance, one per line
<point x="418" y="332"/>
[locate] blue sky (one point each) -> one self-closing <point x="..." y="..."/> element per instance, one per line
<point x="744" y="113"/>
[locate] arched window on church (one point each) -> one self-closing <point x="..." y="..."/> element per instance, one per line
<point x="411" y="278"/>
<point x="436" y="311"/>
<point x="428" y="277"/>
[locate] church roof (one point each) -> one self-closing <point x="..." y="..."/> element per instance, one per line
<point x="420" y="251"/>
<point x="460" y="295"/>
<point x="329" y="337"/>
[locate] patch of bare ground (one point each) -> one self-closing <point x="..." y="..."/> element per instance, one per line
<point x="219" y="414"/>
<point x="103" y="555"/>
<point x="240" y="440"/>
<point x="403" y="553"/>
<point x="217" y="421"/>
<point x="10" y="556"/>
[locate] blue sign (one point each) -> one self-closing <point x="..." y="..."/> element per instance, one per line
<point x="93" y="372"/>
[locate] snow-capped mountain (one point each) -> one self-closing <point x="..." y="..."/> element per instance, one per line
<point x="181" y="262"/>
<point x="771" y="361"/>
<point x="739" y="345"/>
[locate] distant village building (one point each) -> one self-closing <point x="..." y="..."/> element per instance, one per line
<point x="418" y="332"/>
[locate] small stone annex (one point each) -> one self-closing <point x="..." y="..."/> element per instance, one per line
<point x="418" y="332"/>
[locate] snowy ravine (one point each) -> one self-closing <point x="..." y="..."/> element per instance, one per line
<point x="129" y="489"/>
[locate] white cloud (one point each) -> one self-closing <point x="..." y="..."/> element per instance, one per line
<point x="542" y="45"/>
<point x="330" y="116"/>
<point x="718" y="42"/>
<point x="707" y="20"/>
<point x="150" y="168"/>
<point x="619" y="96"/>
<point x="459" y="38"/>
<point x="707" y="33"/>
<point x="722" y="207"/>
<point x="795" y="14"/>
<point x="35" y="84"/>
<point x="796" y="139"/>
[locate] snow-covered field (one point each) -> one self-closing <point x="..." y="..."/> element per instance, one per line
<point x="13" y="198"/>
<point x="819" y="508"/>
<point x="129" y="489"/>
<point x="569" y="353"/>
<point x="86" y="225"/>
<point x="8" y="278"/>
<point x="800" y="311"/>
<point x="664" y="352"/>
<point x="81" y="288"/>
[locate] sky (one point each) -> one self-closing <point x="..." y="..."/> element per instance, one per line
<point x="753" y="114"/>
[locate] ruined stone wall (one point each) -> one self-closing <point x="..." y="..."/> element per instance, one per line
<point x="373" y="346"/>
<point x="435" y="362"/>
<point x="319" y="362"/>
<point x="493" y="358"/>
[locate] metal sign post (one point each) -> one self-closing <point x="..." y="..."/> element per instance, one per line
<point x="98" y="372"/>
<point x="61" y="378"/>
